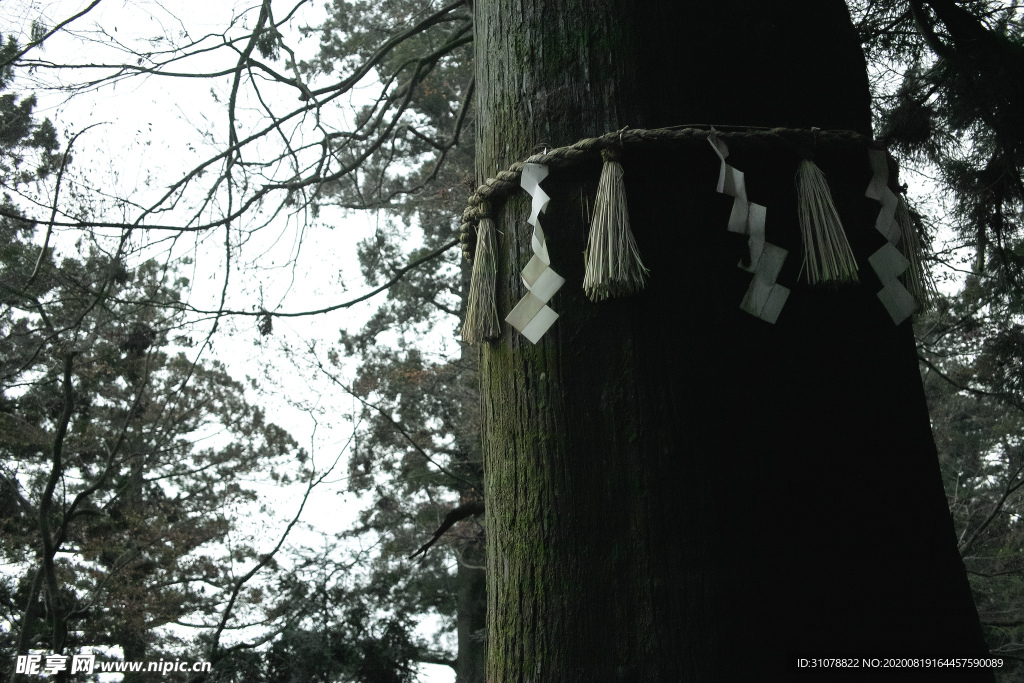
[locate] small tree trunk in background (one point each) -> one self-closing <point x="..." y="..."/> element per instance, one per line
<point x="470" y="579"/>
<point x="29" y="619"/>
<point x="676" y="490"/>
<point x="472" y="617"/>
<point x="131" y="629"/>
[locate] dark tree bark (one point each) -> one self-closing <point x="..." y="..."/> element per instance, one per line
<point x="676" y="490"/>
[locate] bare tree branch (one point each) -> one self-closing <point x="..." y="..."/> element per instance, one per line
<point x="36" y="43"/>
<point x="456" y="515"/>
<point x="399" y="274"/>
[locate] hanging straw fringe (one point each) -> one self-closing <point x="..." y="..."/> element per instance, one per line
<point x="913" y="278"/>
<point x="827" y="255"/>
<point x="614" y="267"/>
<point x="482" y="312"/>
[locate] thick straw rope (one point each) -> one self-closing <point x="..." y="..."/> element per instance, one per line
<point x="507" y="182"/>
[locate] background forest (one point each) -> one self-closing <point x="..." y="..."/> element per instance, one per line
<point x="234" y="399"/>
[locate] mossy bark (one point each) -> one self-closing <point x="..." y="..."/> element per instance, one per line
<point x="676" y="490"/>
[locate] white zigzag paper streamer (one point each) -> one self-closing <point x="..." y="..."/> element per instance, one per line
<point x="888" y="262"/>
<point x="765" y="297"/>
<point x="532" y="316"/>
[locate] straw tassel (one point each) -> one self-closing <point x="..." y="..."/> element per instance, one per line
<point x="614" y="267"/>
<point x="827" y="255"/>
<point x="913" y="277"/>
<point x="482" y="312"/>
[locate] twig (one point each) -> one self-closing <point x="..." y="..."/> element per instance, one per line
<point x="457" y="515"/>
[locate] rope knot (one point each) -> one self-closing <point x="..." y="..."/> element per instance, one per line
<point x="611" y="153"/>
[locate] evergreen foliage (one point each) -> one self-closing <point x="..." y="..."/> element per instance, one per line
<point x="948" y="81"/>
<point x="111" y="498"/>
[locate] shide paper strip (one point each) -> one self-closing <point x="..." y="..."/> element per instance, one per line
<point x="878" y="189"/>
<point x="765" y="297"/>
<point x="532" y="316"/>
<point x="888" y="262"/>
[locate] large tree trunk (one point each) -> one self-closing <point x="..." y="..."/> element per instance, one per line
<point x="676" y="490"/>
